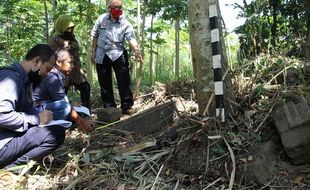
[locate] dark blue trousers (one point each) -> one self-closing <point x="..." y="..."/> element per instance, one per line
<point x="34" y="144"/>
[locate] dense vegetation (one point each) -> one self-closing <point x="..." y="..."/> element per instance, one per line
<point x="27" y="22"/>
<point x="272" y="27"/>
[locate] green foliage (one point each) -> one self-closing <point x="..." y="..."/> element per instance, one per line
<point x="165" y="57"/>
<point x="168" y="9"/>
<point x="216" y="151"/>
<point x="260" y="91"/>
<point x="272" y="26"/>
<point x="23" y="25"/>
<point x="233" y="49"/>
<point x="258" y="138"/>
<point x="74" y="96"/>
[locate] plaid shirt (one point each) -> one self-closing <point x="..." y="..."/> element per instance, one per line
<point x="111" y="36"/>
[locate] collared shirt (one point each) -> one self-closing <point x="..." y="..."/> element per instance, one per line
<point x="111" y="36"/>
<point x="51" y="88"/>
<point x="16" y="110"/>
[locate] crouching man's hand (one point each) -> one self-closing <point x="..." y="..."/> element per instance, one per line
<point x="84" y="125"/>
<point x="45" y="116"/>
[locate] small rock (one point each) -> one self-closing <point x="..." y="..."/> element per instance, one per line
<point x="109" y="115"/>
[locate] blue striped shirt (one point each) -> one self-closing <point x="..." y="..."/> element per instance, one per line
<point x="111" y="36"/>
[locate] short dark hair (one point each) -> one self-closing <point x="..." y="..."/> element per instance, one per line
<point x="44" y="51"/>
<point x="61" y="54"/>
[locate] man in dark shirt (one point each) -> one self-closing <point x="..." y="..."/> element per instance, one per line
<point x="21" y="136"/>
<point x="50" y="93"/>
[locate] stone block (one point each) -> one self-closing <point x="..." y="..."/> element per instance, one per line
<point x="280" y="119"/>
<point x="109" y="115"/>
<point x="292" y="120"/>
<point x="150" y="120"/>
<point x="262" y="168"/>
<point x="292" y="115"/>
<point x="296" y="144"/>
<point x="303" y="108"/>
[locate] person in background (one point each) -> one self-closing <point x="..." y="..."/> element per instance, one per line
<point x="21" y="137"/>
<point x="50" y="93"/>
<point x="108" y="51"/>
<point x="63" y="37"/>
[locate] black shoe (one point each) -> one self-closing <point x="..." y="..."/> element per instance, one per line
<point x="129" y="111"/>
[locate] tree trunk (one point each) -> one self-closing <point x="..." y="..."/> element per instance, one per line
<point x="46" y="22"/>
<point x="8" y="40"/>
<point x="200" y="40"/>
<point x="177" y="49"/>
<point x="54" y="9"/>
<point x="142" y="42"/>
<point x="157" y="63"/>
<point x="138" y="19"/>
<point x="139" y="65"/>
<point x="89" y="66"/>
<point x="306" y="45"/>
<point x="274" y="5"/>
<point x="151" y="51"/>
<point x="107" y="2"/>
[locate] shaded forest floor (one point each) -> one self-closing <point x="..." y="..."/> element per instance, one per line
<point x="196" y="152"/>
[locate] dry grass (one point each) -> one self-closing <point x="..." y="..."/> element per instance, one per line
<point x="114" y="159"/>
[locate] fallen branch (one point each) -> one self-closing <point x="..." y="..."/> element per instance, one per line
<point x="233" y="172"/>
<point x="265" y="118"/>
<point x="144" y="95"/>
<point x="273" y="78"/>
<point x="138" y="79"/>
<point x="214" y="182"/>
<point x="208" y="159"/>
<point x="157" y="176"/>
<point x="107" y="125"/>
<point x="176" y="185"/>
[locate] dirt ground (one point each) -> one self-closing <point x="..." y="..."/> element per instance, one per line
<point x="196" y="152"/>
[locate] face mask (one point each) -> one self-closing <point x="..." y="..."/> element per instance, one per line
<point x="68" y="33"/>
<point x="69" y="36"/>
<point x="34" y="77"/>
<point x="116" y="13"/>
